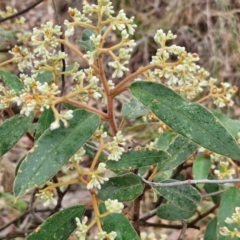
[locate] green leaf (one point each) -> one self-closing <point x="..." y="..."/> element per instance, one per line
<point x="233" y="126"/>
<point x="11" y="81"/>
<point x="58" y="226"/>
<point x="163" y="175"/>
<point x="47" y="117"/>
<point x="137" y="159"/>
<point x="230" y="200"/>
<point x="134" y="109"/>
<point x="53" y="149"/>
<point x="125" y="187"/>
<point x="179" y="150"/>
<point x="172" y="213"/>
<point x="191" y="120"/>
<point x="185" y="197"/>
<point x="46" y="76"/>
<point x="7" y="36"/>
<point x="118" y="223"/>
<point x="70" y="106"/>
<point x="210" y="232"/>
<point x="12" y="130"/>
<point x="165" y="139"/>
<point x="86" y="42"/>
<point x="210" y="188"/>
<point x="201" y="168"/>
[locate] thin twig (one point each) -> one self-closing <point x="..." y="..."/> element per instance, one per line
<point x="21" y="12"/>
<point x="190" y="182"/>
<point x="213" y="194"/>
<point x="95" y="149"/>
<point x="148" y="224"/>
<point x="201" y="216"/>
<point x="32" y="200"/>
<point x="184" y="228"/>
<point x="60" y="196"/>
<point x="148" y="215"/>
<point x="23" y="215"/>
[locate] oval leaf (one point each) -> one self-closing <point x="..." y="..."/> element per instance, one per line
<point x="118" y="223"/>
<point x="172" y="213"/>
<point x="211" y="230"/>
<point x="11" y="81"/>
<point x="201" y="168"/>
<point x="188" y="119"/>
<point x="58" y="226"/>
<point x="134" y="109"/>
<point x="86" y="42"/>
<point x="165" y="139"/>
<point x="47" y="117"/>
<point x="46" y="76"/>
<point x="53" y="149"/>
<point x="180" y="150"/>
<point x="185" y="197"/>
<point x="124" y="188"/>
<point x="12" y="130"/>
<point x="137" y="159"/>
<point x="232" y="125"/>
<point x="230" y="200"/>
<point x="163" y="175"/>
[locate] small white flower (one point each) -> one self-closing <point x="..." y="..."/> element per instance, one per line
<point x="111" y="85"/>
<point x="229" y="220"/>
<point x="101" y="168"/>
<point x="90" y="56"/>
<point x="113" y="206"/>
<point x="96" y="181"/>
<point x="119" y="68"/>
<point x="114" y="148"/>
<point x="104" y="235"/>
<point x="78" y="156"/>
<point x="82" y="228"/>
<point x="224" y="231"/>
<point x="70" y="28"/>
<point x="48" y="197"/>
<point x="55" y="124"/>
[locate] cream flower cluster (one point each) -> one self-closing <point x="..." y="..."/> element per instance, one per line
<point x="104" y="235"/>
<point x="82" y="228"/>
<point x="34" y="96"/>
<point x="48" y="197"/>
<point x="184" y="75"/>
<point x="116" y="147"/>
<point x="224" y="94"/>
<point x="78" y="156"/>
<point x="221" y="162"/>
<point x="120" y="22"/>
<point x="113" y="206"/>
<point x="8" y="12"/>
<point x="92" y="90"/>
<point x="63" y="118"/>
<point x="235" y="218"/>
<point x="96" y="179"/>
<point x="45" y="37"/>
<point x="105" y="6"/>
<point x="22" y="57"/>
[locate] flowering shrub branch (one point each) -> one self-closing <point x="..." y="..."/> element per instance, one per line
<point x="165" y="94"/>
